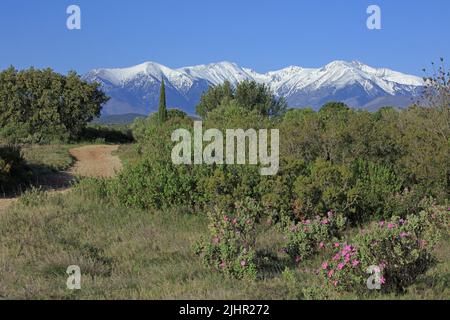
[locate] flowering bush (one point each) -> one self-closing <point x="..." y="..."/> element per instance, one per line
<point x="398" y="250"/>
<point x="230" y="248"/>
<point x="307" y="237"/>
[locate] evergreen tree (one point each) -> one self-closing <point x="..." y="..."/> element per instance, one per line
<point x="162" y="110"/>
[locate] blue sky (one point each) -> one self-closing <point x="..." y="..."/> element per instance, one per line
<point x="260" y="34"/>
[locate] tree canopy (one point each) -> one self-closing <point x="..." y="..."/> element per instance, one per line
<point x="43" y="106"/>
<point x="249" y="95"/>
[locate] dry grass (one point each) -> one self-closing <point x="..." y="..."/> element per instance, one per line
<point x="134" y="254"/>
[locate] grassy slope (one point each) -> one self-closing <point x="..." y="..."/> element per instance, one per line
<point x="126" y="253"/>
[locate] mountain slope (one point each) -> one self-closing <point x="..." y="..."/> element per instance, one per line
<point x="136" y="89"/>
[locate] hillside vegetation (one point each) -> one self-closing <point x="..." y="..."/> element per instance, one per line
<point x="355" y="191"/>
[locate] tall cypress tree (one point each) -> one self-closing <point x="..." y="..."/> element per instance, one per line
<point x="162" y="110"/>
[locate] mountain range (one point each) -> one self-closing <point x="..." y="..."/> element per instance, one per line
<point x="136" y="89"/>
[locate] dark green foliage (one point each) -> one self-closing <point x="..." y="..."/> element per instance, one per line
<point x="107" y="133"/>
<point x="360" y="164"/>
<point x="214" y="97"/>
<point x="162" y="109"/>
<point x="249" y="95"/>
<point x="12" y="168"/>
<point x="41" y="106"/>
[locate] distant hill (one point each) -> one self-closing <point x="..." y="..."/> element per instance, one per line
<point x="118" y="118"/>
<point x="136" y="89"/>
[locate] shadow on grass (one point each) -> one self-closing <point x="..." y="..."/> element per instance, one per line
<point x="39" y="176"/>
<point x="271" y="265"/>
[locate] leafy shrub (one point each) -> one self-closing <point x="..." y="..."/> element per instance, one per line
<point x="107" y="133"/>
<point x="401" y="249"/>
<point x="307" y="237"/>
<point x="13" y="169"/>
<point x="224" y="185"/>
<point x="230" y="247"/>
<point x="374" y="184"/>
<point x="276" y="193"/>
<point x="41" y="106"/>
<point x="404" y="203"/>
<point x="362" y="190"/>
<point x="155" y="185"/>
<point x="325" y="187"/>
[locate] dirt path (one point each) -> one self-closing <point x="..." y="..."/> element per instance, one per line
<point x="95" y="161"/>
<point x="91" y="161"/>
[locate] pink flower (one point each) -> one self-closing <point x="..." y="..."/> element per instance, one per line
<point x="321" y="245"/>
<point x="243" y="263"/>
<point x="325" y="265"/>
<point x="234" y="221"/>
<point x="330" y="273"/>
<point x="381" y="223"/>
<point x="336" y="245"/>
<point x="347" y="258"/>
<point x="216" y="240"/>
<point x="330" y="214"/>
<point x="226" y="219"/>
<point x="337" y="257"/>
<point x="307" y="221"/>
<point x="297" y="259"/>
<point x="355" y="263"/>
<point x="382" y="280"/>
<point x="403" y="235"/>
<point x="325" y="221"/>
<point x="341" y="266"/>
<point x="335" y="283"/>
<point x="222" y="265"/>
<point x="391" y="226"/>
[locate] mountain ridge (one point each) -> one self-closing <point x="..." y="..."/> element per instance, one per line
<point x="136" y="89"/>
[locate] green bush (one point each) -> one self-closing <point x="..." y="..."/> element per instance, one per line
<point x="399" y="250"/>
<point x="13" y="169"/>
<point x="326" y="187"/>
<point x="230" y="247"/>
<point x="41" y="106"/>
<point x="309" y="236"/>
<point x="155" y="185"/>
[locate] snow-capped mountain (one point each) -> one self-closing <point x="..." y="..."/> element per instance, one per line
<point x="136" y="89"/>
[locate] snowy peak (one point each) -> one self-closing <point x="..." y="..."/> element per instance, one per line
<point x="353" y="82"/>
<point x="218" y="73"/>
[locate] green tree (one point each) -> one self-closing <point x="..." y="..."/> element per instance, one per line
<point x="249" y="95"/>
<point x="162" y="110"/>
<point x="44" y="106"/>
<point x="214" y="97"/>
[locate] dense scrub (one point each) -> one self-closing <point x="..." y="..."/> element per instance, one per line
<point x="340" y="170"/>
<point x="41" y="106"/>
<point x="12" y="168"/>
<point x="355" y="191"/>
<point x="362" y="165"/>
